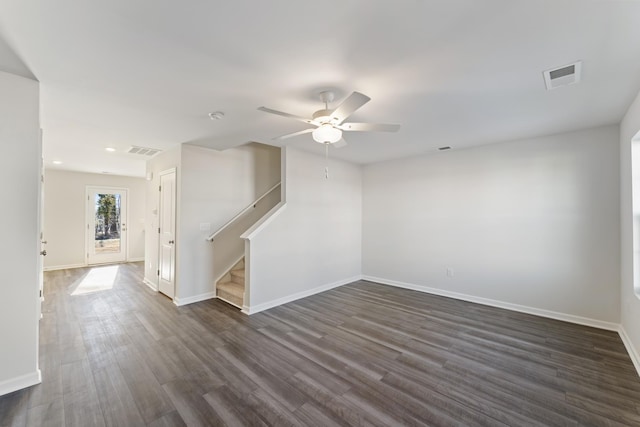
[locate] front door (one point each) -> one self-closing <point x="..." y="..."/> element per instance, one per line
<point x="106" y="225"/>
<point x="167" y="230"/>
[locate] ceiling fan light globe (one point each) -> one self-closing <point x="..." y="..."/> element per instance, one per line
<point x="327" y="134"/>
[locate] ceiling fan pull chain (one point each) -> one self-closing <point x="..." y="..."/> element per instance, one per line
<point x="326" y="159"/>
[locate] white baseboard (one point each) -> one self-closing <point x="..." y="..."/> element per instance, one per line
<point x="17" y="383"/>
<point x="633" y="353"/>
<point x="150" y="284"/>
<point x="196" y="298"/>
<point x="610" y="326"/>
<point x="276" y="302"/>
<point x="138" y="259"/>
<point x="63" y="267"/>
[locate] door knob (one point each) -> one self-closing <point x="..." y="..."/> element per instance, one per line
<point x="43" y="253"/>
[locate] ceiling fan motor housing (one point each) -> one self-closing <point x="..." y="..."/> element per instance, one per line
<point x="322" y="116"/>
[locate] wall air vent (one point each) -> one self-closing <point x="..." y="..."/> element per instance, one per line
<point x="143" y="151"/>
<point x="563" y="76"/>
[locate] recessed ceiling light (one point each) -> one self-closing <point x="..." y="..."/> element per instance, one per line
<point x="216" y="115"/>
<point x="110" y="149"/>
<point x="57" y="162"/>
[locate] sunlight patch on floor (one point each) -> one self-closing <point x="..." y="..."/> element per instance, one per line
<point x="98" y="279"/>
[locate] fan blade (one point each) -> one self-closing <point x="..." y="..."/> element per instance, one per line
<point x="340" y="144"/>
<point x="291" y="116"/>
<point x="348" y="106"/>
<point x="372" y="127"/>
<point x="291" y="135"/>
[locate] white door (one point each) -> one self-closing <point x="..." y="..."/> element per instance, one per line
<point x="167" y="230"/>
<point x="106" y="225"/>
<point x="43" y="251"/>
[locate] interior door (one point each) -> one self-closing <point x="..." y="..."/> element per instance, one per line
<point x="106" y="225"/>
<point x="43" y="250"/>
<point x="167" y="230"/>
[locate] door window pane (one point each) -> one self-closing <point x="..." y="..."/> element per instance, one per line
<point x="108" y="222"/>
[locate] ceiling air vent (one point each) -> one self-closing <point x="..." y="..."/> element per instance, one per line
<point x="143" y="151"/>
<point x="563" y="76"/>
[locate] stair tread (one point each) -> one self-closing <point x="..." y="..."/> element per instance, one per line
<point x="232" y="288"/>
<point x="231" y="299"/>
<point x="239" y="272"/>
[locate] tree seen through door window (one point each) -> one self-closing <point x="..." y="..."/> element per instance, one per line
<point x="107" y="224"/>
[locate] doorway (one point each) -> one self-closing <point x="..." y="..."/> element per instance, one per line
<point x="106" y="225"/>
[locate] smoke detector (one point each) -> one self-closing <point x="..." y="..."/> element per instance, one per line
<point x="216" y="115"/>
<point x="563" y="76"/>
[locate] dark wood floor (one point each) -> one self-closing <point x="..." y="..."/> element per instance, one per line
<point x="362" y="354"/>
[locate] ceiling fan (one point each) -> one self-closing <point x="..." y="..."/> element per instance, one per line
<point x="329" y="124"/>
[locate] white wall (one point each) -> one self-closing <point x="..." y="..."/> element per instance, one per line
<point x="65" y="207"/>
<point x="630" y="304"/>
<point x="215" y="186"/>
<point x="20" y="155"/>
<point x="532" y="223"/>
<point x="11" y="63"/>
<point x="314" y="242"/>
<point x="166" y="160"/>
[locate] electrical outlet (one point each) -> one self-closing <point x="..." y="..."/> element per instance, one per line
<point x="449" y="272"/>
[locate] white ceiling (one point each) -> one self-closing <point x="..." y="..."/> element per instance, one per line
<point x="460" y="73"/>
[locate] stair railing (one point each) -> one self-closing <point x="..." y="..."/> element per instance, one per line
<point x="241" y="213"/>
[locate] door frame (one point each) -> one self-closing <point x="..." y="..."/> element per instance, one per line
<point x="175" y="226"/>
<point x="87" y="194"/>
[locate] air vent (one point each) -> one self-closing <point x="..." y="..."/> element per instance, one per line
<point x="143" y="151"/>
<point x="563" y="76"/>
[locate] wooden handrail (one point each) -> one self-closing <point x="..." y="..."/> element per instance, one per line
<point x="242" y="212"/>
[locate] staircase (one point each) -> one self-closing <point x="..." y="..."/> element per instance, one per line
<point x="230" y="288"/>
